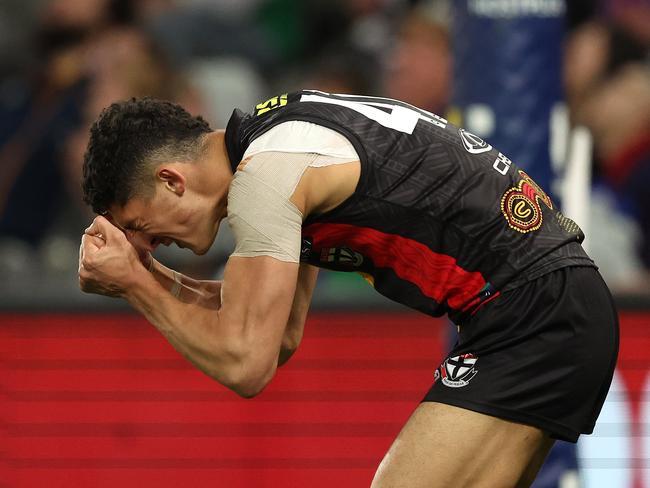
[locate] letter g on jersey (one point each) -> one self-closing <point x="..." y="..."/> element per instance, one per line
<point x="473" y="143"/>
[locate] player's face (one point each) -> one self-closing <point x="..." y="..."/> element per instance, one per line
<point x="167" y="218"/>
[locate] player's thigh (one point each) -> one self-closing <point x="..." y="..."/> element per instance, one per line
<point x="442" y="445"/>
<point x="530" y="473"/>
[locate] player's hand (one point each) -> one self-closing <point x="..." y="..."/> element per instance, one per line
<point x="108" y="263"/>
<point x="144" y="254"/>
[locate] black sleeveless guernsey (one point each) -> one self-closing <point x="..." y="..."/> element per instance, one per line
<point x="440" y="221"/>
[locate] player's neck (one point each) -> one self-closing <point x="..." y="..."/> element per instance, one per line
<point x="216" y="173"/>
<point x="214" y="149"/>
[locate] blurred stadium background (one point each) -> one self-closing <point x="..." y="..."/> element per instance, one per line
<point x="92" y="396"/>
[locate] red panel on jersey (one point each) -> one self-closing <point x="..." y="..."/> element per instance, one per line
<point x="438" y="276"/>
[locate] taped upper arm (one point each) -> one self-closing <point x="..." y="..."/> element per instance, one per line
<point x="261" y="215"/>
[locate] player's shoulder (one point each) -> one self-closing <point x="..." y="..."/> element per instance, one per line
<point x="270" y="171"/>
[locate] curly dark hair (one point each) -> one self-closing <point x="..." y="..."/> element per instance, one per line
<point x="126" y="139"/>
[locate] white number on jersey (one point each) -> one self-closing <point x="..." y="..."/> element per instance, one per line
<point x="401" y="117"/>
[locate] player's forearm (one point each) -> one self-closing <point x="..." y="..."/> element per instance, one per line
<point x="301" y="302"/>
<point x="197" y="332"/>
<point x="292" y="334"/>
<point x="186" y="289"/>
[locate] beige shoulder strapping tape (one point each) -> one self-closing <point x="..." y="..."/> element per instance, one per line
<point x="263" y="219"/>
<point x="261" y="215"/>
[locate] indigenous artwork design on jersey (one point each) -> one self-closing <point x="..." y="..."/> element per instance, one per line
<point x="520" y="205"/>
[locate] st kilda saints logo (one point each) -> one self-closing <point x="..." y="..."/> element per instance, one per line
<point x="341" y="256"/>
<point x="457" y="371"/>
<point x="521" y="205"/>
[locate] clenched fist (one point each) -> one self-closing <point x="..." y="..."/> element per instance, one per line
<point x="108" y="262"/>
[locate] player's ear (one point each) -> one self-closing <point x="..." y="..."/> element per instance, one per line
<point x="173" y="179"/>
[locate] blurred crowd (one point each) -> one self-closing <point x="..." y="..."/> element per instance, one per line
<point x="607" y="87"/>
<point x="62" y="61"/>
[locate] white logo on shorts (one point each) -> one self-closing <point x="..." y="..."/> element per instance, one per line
<point x="457" y="371"/>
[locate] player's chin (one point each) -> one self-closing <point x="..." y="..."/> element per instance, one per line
<point x="203" y="248"/>
<point x="200" y="251"/>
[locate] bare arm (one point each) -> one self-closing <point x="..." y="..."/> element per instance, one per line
<point x="307" y="275"/>
<point x="207" y="293"/>
<point x="238" y="344"/>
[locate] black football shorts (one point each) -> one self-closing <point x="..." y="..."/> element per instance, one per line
<point x="542" y="354"/>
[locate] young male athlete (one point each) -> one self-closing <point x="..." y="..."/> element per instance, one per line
<point x="432" y="216"/>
